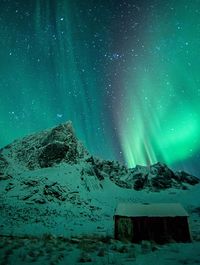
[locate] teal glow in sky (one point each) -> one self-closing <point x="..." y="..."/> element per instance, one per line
<point x="126" y="73"/>
<point x="161" y="109"/>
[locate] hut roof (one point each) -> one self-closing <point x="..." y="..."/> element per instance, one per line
<point x="150" y="210"/>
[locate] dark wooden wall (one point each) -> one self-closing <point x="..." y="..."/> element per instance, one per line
<point x="158" y="229"/>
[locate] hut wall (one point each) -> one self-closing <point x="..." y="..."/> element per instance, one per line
<point x="159" y="229"/>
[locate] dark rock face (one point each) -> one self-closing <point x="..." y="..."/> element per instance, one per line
<point x="104" y="168"/>
<point x="139" y="183"/>
<point x="3" y="164"/>
<point x="186" y="178"/>
<point x="63" y="142"/>
<point x="55" y="191"/>
<point x="52" y="154"/>
<point x="162" y="170"/>
<point x="160" y="183"/>
<point x="61" y="133"/>
<point x="3" y="167"/>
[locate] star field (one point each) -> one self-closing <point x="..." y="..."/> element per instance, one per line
<point x="126" y="73"/>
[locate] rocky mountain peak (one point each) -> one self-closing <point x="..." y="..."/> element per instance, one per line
<point x="45" y="149"/>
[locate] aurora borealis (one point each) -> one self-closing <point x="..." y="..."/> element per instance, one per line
<point x="126" y="73"/>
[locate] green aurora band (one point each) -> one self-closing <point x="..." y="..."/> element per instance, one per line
<point x="161" y="114"/>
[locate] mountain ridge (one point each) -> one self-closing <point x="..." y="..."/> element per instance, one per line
<point x="59" y="145"/>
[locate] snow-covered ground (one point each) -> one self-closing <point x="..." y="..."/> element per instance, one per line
<point x="53" y="221"/>
<point x="90" y="251"/>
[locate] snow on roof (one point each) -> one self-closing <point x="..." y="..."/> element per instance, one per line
<point x="150" y="210"/>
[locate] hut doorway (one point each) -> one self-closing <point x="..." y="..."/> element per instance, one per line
<point x="125" y="228"/>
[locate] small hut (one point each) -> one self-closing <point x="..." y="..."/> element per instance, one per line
<point x="160" y="222"/>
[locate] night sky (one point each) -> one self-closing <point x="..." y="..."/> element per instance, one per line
<point x="126" y="73"/>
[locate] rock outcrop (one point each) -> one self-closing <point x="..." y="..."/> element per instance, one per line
<point x="44" y="149"/>
<point x="155" y="177"/>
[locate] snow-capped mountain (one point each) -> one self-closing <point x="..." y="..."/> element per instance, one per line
<point x="59" y="146"/>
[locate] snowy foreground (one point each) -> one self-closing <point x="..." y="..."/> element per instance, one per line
<point x="57" y="205"/>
